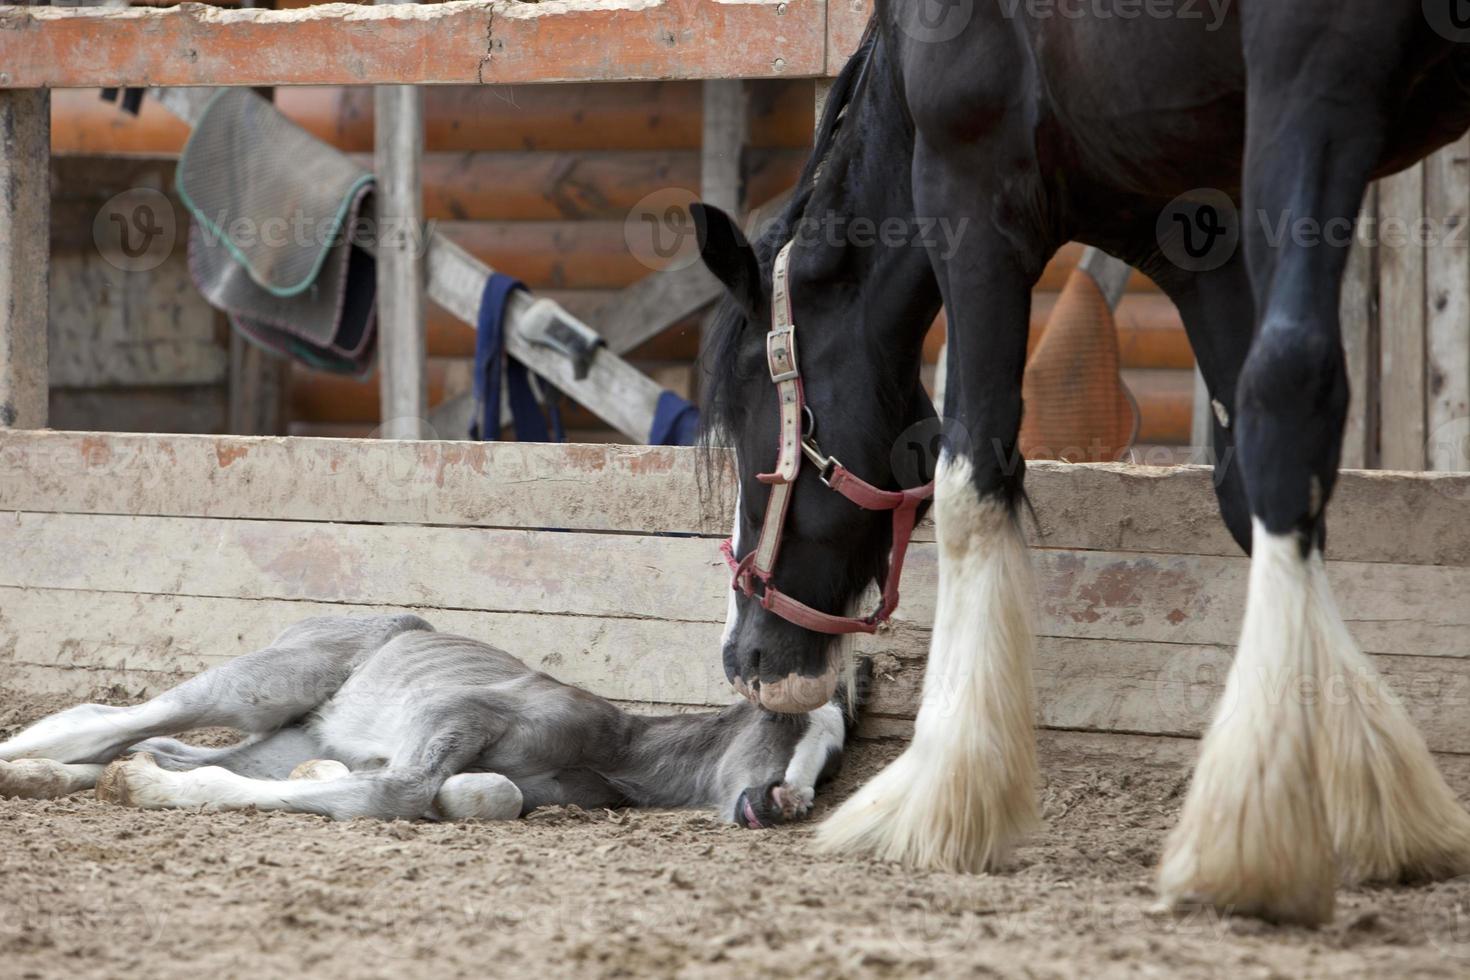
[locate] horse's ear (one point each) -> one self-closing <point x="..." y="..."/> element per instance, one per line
<point x="728" y="255"/>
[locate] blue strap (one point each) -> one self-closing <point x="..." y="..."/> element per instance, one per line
<point x="530" y="425"/>
<point x="675" y="422"/>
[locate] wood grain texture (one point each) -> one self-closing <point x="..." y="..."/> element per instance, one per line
<point x="1402" y="318"/>
<point x="1376" y="516"/>
<point x="462" y="42"/>
<point x="25" y="207"/>
<point x="149" y="642"/>
<point x="1447" y="309"/>
<point x="1358" y="316"/>
<point x="1084" y="595"/>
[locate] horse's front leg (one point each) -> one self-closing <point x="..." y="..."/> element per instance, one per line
<point x="965" y="789"/>
<point x="1311" y="767"/>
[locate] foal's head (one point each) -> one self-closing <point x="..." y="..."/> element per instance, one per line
<point x="861" y="307"/>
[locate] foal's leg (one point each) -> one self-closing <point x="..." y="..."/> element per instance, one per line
<point x="1309" y="758"/>
<point x="255" y="693"/>
<point x="965" y="788"/>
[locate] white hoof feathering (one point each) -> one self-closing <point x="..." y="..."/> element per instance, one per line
<point x="1392" y="815"/>
<point x="964" y="790"/>
<point x="1310" y="764"/>
<point x="478" y="796"/>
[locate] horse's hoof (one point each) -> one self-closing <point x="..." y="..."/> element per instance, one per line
<point x="124" y="782"/>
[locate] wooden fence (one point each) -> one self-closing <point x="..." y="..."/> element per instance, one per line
<point x="134" y="560"/>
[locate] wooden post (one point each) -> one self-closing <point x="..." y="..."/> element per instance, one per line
<point x="1401" y="292"/>
<point x="721" y="177"/>
<point x="1358" y="316"/>
<point x="1447" y="307"/>
<point x="25" y="237"/>
<point x="402" y="357"/>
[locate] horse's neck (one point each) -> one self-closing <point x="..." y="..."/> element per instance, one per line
<point x="868" y="180"/>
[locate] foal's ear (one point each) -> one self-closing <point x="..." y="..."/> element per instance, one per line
<point x="728" y="255"/>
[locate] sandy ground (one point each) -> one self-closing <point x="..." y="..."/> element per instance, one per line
<point x="92" y="890"/>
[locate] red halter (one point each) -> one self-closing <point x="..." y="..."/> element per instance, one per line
<point x="794" y="443"/>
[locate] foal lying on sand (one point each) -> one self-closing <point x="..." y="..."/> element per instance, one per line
<point x="384" y="717"/>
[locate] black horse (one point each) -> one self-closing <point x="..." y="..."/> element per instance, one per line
<point x="1132" y="129"/>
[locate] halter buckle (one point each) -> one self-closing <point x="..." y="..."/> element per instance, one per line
<point x="781" y="354"/>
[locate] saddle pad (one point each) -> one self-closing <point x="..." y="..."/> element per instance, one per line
<point x="266" y="191"/>
<point x="272" y="241"/>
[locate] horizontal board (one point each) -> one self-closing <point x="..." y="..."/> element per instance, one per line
<point x="466" y="43"/>
<point x="175" y="636"/>
<point x="586" y="116"/>
<point x="1404" y="518"/>
<point x="1178" y="599"/>
<point x="525" y="485"/>
<point x="151" y="641"/>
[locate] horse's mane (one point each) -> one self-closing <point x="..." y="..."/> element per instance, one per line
<point x="721" y="404"/>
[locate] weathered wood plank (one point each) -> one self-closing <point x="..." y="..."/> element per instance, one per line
<point x="25" y="223"/>
<point x="202" y="409"/>
<point x="1447" y="309"/>
<point x="613" y="488"/>
<point x="110" y="327"/>
<point x="1412" y="519"/>
<point x="1401" y="257"/>
<point x="1358" y="316"/>
<point x="628" y="659"/>
<point x="1180" y="599"/>
<point x="1093" y="685"/>
<point x="465" y="43"/>
<point x="846" y="20"/>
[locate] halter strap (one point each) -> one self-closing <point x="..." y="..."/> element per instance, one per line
<point x="791" y="445"/>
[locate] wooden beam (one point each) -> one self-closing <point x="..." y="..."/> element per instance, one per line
<point x="1401" y="295"/>
<point x="25" y="228"/>
<point x="1447" y="308"/>
<point x="1358" y="316"/>
<point x="467" y="42"/>
<point x="399" y="121"/>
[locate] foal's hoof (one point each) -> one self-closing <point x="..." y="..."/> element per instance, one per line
<point x="34" y="779"/>
<point x="320" y="770"/>
<point x="125" y="781"/>
<point x="772" y="805"/>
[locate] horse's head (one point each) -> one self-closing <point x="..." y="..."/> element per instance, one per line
<point x="860" y="316"/>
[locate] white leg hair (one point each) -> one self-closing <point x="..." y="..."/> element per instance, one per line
<point x="1309" y="765"/>
<point x="1392" y="815"/>
<point x="317" y="786"/>
<point x="965" y="788"/>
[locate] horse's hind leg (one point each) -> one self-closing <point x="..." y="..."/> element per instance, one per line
<point x="964" y="790"/>
<point x="1311" y="765"/>
<point x="255" y="693"/>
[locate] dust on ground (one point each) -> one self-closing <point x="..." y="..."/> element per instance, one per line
<point x="93" y="890"/>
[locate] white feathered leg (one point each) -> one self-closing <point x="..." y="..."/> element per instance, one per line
<point x="1392" y="815"/>
<point x="965" y="789"/>
<point x="1310" y="765"/>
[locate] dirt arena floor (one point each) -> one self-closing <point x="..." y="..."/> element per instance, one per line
<point x="92" y="890"/>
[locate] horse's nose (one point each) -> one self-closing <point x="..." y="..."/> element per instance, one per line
<point x="779" y="681"/>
